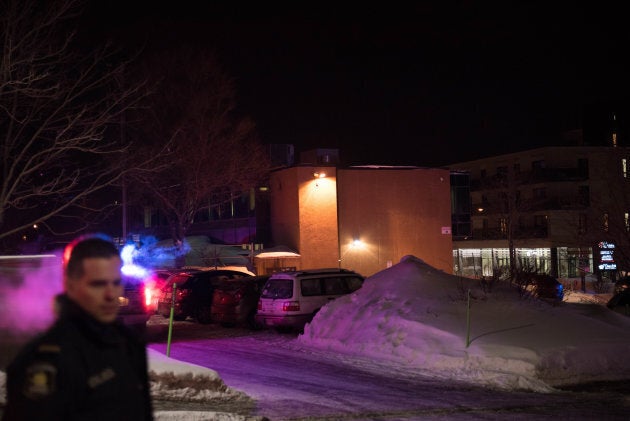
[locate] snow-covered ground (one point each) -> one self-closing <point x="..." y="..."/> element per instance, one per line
<point x="417" y="316"/>
<point x="426" y="322"/>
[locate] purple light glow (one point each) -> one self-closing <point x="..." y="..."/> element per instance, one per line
<point x="28" y="285"/>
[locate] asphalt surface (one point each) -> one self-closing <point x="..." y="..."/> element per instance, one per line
<point x="287" y="382"/>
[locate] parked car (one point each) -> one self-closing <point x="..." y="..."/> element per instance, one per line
<point x="235" y="301"/>
<point x="135" y="304"/>
<point x="193" y="293"/>
<point x="291" y="299"/>
<point x="157" y="280"/>
<point x="622" y="284"/>
<point x="547" y="288"/>
<point x="620" y="302"/>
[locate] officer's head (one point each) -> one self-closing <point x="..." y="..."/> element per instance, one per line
<point x="92" y="276"/>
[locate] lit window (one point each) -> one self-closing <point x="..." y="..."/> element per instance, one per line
<point x="624" y="167"/>
<point x="626" y="221"/>
<point x="614" y="139"/>
<point x="503" y="225"/>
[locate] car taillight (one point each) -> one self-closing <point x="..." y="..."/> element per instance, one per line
<point x="149" y="294"/>
<point x="291" y="306"/>
<point x="227" y="298"/>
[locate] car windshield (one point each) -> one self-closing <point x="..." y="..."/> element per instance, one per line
<point x="278" y="288"/>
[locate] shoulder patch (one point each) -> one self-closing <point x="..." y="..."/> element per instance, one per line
<point x="39" y="380"/>
<point x="49" y="348"/>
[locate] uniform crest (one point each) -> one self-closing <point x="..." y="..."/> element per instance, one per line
<point x="40" y="380"/>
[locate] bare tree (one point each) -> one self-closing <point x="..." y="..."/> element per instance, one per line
<point x="215" y="152"/>
<point x="56" y="105"/>
<point x="512" y="204"/>
<point x="506" y="208"/>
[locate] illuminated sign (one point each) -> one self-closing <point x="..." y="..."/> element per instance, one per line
<point x="606" y="256"/>
<point x="608" y="266"/>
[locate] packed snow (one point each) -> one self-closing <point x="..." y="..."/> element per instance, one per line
<point x="416" y="316"/>
<point x="423" y="321"/>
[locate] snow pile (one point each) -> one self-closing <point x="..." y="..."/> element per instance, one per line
<point x="415" y="316"/>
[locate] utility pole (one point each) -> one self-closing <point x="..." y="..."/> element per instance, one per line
<point x="124" y="183"/>
<point x="124" y="209"/>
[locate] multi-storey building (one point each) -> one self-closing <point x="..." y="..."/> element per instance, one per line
<point x="561" y="210"/>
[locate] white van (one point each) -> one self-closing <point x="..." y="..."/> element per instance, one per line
<point x="291" y="299"/>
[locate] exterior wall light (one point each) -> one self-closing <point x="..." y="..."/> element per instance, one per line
<point x="317" y="176"/>
<point x="357" y="243"/>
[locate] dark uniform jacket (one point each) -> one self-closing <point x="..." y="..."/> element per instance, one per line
<point x="79" y="369"/>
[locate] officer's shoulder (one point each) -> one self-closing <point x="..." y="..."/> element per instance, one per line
<point x="48" y="344"/>
<point x="36" y="366"/>
<point x="42" y="350"/>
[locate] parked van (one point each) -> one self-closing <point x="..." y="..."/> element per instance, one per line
<point x="291" y="299"/>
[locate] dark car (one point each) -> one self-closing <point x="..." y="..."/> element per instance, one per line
<point x="620" y="302"/>
<point x="135" y="304"/>
<point x="156" y="280"/>
<point x="234" y="301"/>
<point x="622" y="284"/>
<point x="547" y="288"/>
<point x="193" y="293"/>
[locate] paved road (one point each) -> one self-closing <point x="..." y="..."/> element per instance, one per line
<point x="288" y="382"/>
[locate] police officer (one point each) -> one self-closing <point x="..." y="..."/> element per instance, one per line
<point x="87" y="366"/>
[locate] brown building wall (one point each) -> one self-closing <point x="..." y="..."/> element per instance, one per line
<point x="304" y="214"/>
<point x="284" y="218"/>
<point x="393" y="212"/>
<point x="318" y="218"/>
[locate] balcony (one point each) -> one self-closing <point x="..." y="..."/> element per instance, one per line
<point x="538" y="204"/>
<point x="537" y="176"/>
<point x="519" y="233"/>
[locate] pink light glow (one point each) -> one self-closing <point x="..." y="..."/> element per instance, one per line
<point x="28" y="285"/>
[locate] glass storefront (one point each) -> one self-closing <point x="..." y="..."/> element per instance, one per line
<point x="474" y="263"/>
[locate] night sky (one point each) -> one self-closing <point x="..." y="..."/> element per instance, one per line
<point x="418" y="85"/>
